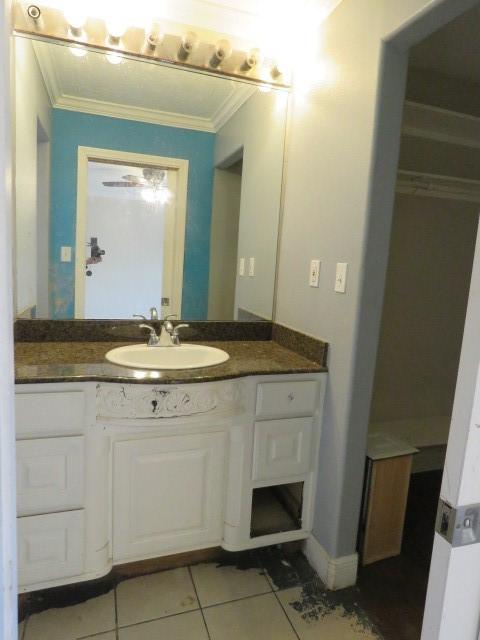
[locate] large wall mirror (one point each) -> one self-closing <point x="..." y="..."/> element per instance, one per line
<point x="139" y="185"/>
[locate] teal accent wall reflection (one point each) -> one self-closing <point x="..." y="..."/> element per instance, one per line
<point x="72" y="129"/>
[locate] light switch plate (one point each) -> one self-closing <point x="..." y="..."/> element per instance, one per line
<point x="65" y="254"/>
<point x="341" y="277"/>
<point x="251" y="267"/>
<point x="241" y="267"/>
<point x="314" y="273"/>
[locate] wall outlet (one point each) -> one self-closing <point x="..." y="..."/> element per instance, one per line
<point x="241" y="267"/>
<point x="314" y="273"/>
<point x="251" y="267"/>
<point x="65" y="254"/>
<point x="341" y="277"/>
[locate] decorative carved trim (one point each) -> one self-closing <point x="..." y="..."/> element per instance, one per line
<point x="142" y="402"/>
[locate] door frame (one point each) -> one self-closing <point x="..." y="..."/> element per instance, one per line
<point x="453" y="598"/>
<point x="86" y="154"/>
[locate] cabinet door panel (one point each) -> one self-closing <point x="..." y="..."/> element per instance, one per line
<point x="49" y="475"/>
<point x="282" y="448"/>
<point x="168" y="494"/>
<point x="50" y="546"/>
<point x="41" y="415"/>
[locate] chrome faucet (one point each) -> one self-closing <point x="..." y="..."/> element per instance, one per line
<point x="169" y="336"/>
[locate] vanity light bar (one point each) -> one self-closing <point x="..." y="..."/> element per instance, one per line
<point x="173" y="45"/>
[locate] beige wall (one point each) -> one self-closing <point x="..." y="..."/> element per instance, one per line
<point x="258" y="128"/>
<point x="428" y="278"/>
<point x="31" y="104"/>
<point x="223" y="244"/>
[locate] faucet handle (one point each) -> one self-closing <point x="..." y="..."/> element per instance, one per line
<point x="170" y="315"/>
<point x="180" y="326"/>
<point x="153" y="340"/>
<point x="175" y="336"/>
<point x="138" y="315"/>
<point x="153" y="313"/>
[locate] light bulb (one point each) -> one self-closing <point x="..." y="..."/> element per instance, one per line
<point x="223" y="50"/>
<point x="116" y="26"/>
<point x="114" y="58"/>
<point x="78" y="52"/>
<point x="75" y="19"/>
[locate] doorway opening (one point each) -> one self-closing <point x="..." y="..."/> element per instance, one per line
<point x="432" y="246"/>
<point x="227" y="187"/>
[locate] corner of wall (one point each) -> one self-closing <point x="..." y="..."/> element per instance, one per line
<point x="336" y="573"/>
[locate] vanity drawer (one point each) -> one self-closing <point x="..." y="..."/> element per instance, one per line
<point x="282" y="448"/>
<point x="50" y="546"/>
<point x="293" y="398"/>
<point x="50" y="475"/>
<point x="49" y="414"/>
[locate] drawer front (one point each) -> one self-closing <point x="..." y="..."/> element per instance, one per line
<point x="50" y="475"/>
<point x="50" y="547"/>
<point x="49" y="414"/>
<point x="282" y="448"/>
<point x="286" y="398"/>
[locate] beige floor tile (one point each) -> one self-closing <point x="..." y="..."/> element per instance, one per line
<point x="249" y="619"/>
<point x="216" y="584"/>
<point x="110" y="635"/>
<point x="155" y="596"/>
<point x="317" y="618"/>
<point x="69" y="623"/>
<point x="186" y="626"/>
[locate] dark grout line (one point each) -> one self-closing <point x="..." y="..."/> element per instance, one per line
<point x="117" y="633"/>
<point x="255" y="595"/>
<point x="170" y="615"/>
<point x="24" y="627"/>
<point x="286" y="615"/>
<point x="198" y="600"/>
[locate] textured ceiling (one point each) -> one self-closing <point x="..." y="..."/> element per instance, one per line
<point x="453" y="50"/>
<point x="134" y="84"/>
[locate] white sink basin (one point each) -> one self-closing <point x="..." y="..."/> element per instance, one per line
<point x="185" y="356"/>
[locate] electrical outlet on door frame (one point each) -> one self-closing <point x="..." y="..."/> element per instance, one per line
<point x="251" y="267"/>
<point x="65" y="254"/>
<point x="314" y="277"/>
<point x="241" y="267"/>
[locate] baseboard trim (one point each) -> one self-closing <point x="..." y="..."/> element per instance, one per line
<point x="336" y="573"/>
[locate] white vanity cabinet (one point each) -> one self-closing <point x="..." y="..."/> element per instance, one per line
<point x="109" y="473"/>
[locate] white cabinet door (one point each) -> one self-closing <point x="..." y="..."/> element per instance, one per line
<point x="168" y="494"/>
<point x="50" y="547"/>
<point x="282" y="448"/>
<point x="50" y="474"/>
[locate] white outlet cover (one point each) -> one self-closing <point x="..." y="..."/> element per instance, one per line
<point x="314" y="275"/>
<point x="341" y="277"/>
<point x="251" y="267"/>
<point x="65" y="254"/>
<point x="241" y="267"/>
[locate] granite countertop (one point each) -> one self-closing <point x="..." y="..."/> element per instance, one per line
<point x="85" y="361"/>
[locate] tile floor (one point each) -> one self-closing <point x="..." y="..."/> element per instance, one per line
<point x="263" y="596"/>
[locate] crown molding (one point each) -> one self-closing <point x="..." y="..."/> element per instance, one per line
<point x="49" y="74"/>
<point x="231" y="104"/>
<point x="140" y="114"/>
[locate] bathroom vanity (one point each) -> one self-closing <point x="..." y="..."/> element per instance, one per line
<point x="117" y="465"/>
